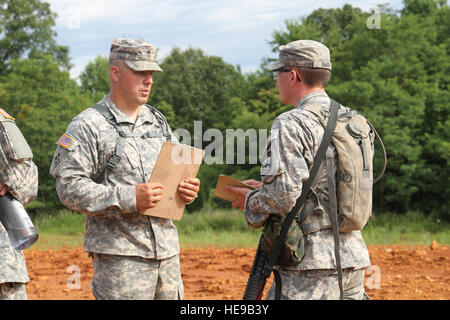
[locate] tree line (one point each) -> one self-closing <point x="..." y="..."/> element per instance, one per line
<point x="397" y="76"/>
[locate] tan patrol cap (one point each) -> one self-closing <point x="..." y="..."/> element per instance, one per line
<point x="302" y="53"/>
<point x="137" y="54"/>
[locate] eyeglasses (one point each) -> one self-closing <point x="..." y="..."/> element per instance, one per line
<point x="276" y="74"/>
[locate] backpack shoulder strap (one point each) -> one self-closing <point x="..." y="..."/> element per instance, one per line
<point x="107" y="114"/>
<point x="162" y="120"/>
<point x="320" y="111"/>
<point x="323" y="112"/>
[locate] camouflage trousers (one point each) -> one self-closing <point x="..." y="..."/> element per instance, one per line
<point x="13" y="291"/>
<point x="136" y="278"/>
<point x="319" y="285"/>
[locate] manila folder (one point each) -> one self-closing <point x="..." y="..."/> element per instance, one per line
<point x="221" y="188"/>
<point x="175" y="163"/>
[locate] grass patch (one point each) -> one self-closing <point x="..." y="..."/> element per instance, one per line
<point x="219" y="228"/>
<point x="225" y="228"/>
<point x="61" y="222"/>
<point x="57" y="241"/>
<point x="408" y="228"/>
<point x="63" y="228"/>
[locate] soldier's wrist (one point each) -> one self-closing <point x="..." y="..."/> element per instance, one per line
<point x="127" y="199"/>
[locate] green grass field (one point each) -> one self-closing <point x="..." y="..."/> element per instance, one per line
<point x="226" y="228"/>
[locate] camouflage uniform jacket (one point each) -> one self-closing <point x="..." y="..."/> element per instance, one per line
<point x="21" y="178"/>
<point x="108" y="198"/>
<point x="294" y="140"/>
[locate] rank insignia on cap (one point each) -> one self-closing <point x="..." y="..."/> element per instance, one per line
<point x="65" y="141"/>
<point x="5" y="114"/>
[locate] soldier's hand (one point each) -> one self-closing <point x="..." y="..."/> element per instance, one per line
<point x="148" y="195"/>
<point x="242" y="192"/>
<point x="3" y="189"/>
<point x="188" y="189"/>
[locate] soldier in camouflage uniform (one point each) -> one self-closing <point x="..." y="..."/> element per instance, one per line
<point x="134" y="256"/>
<point x="301" y="74"/>
<point x="19" y="177"/>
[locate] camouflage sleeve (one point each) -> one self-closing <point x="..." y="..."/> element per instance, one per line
<point x="283" y="171"/>
<point x="75" y="169"/>
<point x="19" y="175"/>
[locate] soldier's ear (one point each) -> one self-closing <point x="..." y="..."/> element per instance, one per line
<point x="295" y="75"/>
<point x="114" y="73"/>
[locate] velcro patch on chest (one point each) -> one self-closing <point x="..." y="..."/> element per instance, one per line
<point x="65" y="141"/>
<point x="5" y="114"/>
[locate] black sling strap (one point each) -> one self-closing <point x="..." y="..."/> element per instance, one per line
<point x="326" y="139"/>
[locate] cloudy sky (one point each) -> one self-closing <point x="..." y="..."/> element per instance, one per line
<point x="236" y="30"/>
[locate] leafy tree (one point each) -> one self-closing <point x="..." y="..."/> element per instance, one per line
<point x="95" y="77"/>
<point x="197" y="87"/>
<point x="43" y="99"/>
<point x="26" y="29"/>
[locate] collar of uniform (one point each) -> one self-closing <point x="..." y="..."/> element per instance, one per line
<point x="143" y="116"/>
<point x="116" y="112"/>
<point x="310" y="96"/>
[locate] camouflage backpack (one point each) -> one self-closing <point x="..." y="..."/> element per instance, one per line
<point x="353" y="188"/>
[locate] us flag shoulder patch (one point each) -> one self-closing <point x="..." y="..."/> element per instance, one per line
<point x="65" y="141"/>
<point x="5" y="114"/>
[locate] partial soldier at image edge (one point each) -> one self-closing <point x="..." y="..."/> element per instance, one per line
<point x="19" y="178"/>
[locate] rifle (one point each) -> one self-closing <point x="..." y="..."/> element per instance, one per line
<point x="258" y="276"/>
<point x="263" y="267"/>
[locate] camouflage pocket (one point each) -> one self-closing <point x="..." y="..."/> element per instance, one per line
<point x="16" y="146"/>
<point x="292" y="250"/>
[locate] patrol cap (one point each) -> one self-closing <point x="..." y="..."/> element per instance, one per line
<point x="137" y="54"/>
<point x="302" y="53"/>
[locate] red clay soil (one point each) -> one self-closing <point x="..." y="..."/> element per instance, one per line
<point x="398" y="273"/>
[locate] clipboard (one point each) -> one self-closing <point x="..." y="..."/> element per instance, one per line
<point x="175" y="163"/>
<point x="221" y="188"/>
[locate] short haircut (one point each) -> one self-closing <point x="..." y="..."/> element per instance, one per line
<point x="117" y="63"/>
<point x="315" y="77"/>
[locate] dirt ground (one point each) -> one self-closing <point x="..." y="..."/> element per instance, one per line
<point x="398" y="273"/>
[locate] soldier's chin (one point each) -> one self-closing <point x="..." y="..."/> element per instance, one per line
<point x="143" y="97"/>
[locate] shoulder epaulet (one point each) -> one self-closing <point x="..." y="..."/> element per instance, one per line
<point x="5" y="115"/>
